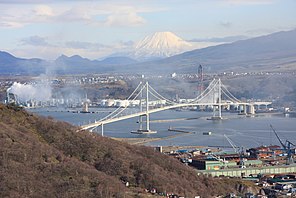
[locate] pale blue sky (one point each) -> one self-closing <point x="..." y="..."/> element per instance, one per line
<point x="96" y="28"/>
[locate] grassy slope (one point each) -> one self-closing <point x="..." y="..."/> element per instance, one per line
<point x="42" y="157"/>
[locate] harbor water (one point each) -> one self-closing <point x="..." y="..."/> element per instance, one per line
<point x="244" y="131"/>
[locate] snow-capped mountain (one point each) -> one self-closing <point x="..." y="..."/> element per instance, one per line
<point x="160" y="45"/>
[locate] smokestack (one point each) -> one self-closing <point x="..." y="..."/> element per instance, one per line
<point x="200" y="79"/>
<point x="7" y="96"/>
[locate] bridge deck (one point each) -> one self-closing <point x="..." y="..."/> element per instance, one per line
<point x="107" y="121"/>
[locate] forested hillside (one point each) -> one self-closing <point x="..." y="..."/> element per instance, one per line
<point x="41" y="157"/>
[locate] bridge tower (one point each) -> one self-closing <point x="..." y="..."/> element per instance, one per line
<point x="146" y="130"/>
<point x="217" y="107"/>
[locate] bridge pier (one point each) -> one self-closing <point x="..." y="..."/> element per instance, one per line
<point x="245" y="109"/>
<point x="251" y="109"/>
<point x="217" y="113"/>
<point x="217" y="108"/>
<point x="242" y="109"/>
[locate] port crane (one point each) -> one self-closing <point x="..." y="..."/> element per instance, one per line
<point x="237" y="150"/>
<point x="219" y="159"/>
<point x="287" y="147"/>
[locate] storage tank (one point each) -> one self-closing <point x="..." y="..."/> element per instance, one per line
<point x="134" y="103"/>
<point x="103" y="103"/>
<point x="110" y="103"/>
<point x="121" y="103"/>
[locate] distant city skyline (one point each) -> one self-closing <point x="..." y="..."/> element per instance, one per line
<point x="97" y="28"/>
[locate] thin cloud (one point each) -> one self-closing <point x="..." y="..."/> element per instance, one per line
<point x="227" y="39"/>
<point x="35" y="1"/>
<point x="17" y="16"/>
<point x="226" y="24"/>
<point x="75" y="14"/>
<point x="42" y="47"/>
<point x="100" y="14"/>
<point x="10" y="24"/>
<point x="85" y="45"/>
<point x="249" y="2"/>
<point x="125" y="19"/>
<point x="43" y="10"/>
<point x="34" y="41"/>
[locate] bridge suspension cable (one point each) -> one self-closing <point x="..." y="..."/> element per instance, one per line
<point x="119" y="108"/>
<point x="206" y="92"/>
<point x="230" y="95"/>
<point x="210" y="96"/>
<point x="122" y="109"/>
<point x="159" y="96"/>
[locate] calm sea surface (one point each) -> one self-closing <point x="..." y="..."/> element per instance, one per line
<point x="243" y="131"/>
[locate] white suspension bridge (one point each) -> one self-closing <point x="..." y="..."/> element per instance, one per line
<point x="216" y="95"/>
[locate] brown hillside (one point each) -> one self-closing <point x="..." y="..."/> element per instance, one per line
<point x="46" y="158"/>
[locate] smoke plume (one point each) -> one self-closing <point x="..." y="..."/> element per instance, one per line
<point x="25" y="92"/>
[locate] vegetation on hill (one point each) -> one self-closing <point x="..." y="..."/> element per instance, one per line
<point x="41" y="157"/>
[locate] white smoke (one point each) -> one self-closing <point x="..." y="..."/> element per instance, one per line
<point x="26" y="92"/>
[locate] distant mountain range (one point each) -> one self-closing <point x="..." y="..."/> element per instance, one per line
<point x="78" y="64"/>
<point x="276" y="51"/>
<point x="10" y="64"/>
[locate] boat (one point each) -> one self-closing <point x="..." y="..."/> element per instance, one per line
<point x="207" y="133"/>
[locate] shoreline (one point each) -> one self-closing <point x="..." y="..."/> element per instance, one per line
<point x="141" y="141"/>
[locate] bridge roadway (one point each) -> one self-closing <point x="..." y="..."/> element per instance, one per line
<point x="261" y="103"/>
<point x="107" y="121"/>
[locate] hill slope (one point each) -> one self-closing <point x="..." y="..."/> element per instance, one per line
<point x="42" y="156"/>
